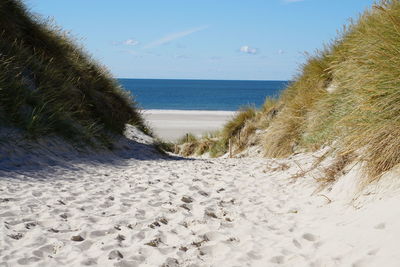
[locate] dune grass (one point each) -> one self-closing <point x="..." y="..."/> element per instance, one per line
<point x="49" y="85"/>
<point x="284" y="132"/>
<point x="346" y="96"/>
<point x="372" y="55"/>
<point x="350" y="94"/>
<point x="236" y="124"/>
<point x="217" y="144"/>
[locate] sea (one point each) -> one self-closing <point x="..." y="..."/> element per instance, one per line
<point x="229" y="95"/>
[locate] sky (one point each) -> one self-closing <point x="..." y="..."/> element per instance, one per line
<point x="201" y="39"/>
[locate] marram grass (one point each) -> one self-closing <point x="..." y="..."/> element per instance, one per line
<point x="347" y="96"/>
<point x="49" y="85"/>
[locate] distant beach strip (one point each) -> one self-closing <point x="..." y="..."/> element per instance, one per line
<point x="171" y="125"/>
<point x="176" y="107"/>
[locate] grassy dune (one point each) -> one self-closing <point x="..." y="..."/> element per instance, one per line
<point x="49" y="85"/>
<point x="347" y="95"/>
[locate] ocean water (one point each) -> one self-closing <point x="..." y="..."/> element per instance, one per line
<point x="201" y="94"/>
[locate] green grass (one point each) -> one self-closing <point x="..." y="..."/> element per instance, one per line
<point x="49" y="85"/>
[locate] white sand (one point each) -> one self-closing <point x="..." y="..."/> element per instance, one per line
<point x="173" y="124"/>
<point x="136" y="208"/>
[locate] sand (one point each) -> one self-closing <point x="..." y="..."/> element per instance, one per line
<point x="173" y="124"/>
<point x="135" y="207"/>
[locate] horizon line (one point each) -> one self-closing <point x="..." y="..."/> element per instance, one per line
<point x="201" y="79"/>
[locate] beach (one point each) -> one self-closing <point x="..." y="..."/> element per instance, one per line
<point x="135" y="207"/>
<point x="171" y="125"/>
<point x="184" y="168"/>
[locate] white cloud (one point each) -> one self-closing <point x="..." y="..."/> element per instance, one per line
<point x="248" y="50"/>
<point x="280" y="52"/>
<point x="131" y="42"/>
<point x="173" y="36"/>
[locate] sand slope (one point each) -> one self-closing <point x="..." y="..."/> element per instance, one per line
<point x="113" y="210"/>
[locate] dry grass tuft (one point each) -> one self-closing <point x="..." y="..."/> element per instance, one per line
<point x="337" y="168"/>
<point x="236" y="124"/>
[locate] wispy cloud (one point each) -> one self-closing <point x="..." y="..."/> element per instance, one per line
<point x="281" y="51"/>
<point x="292" y="1"/>
<point x="131" y="42"/>
<point x="173" y="36"/>
<point x="248" y="50"/>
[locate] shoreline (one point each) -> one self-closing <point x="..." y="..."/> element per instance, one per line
<point x="170" y="125"/>
<point x="189" y="111"/>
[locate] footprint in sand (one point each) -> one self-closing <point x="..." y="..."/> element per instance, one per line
<point x="89" y="262"/>
<point x="309" y="237"/>
<point x="106" y="205"/>
<point x="124" y="263"/>
<point x="253" y="255"/>
<point x="373" y="252"/>
<point x="380" y="226"/>
<point x="37" y="193"/>
<point x="277" y="259"/>
<point x="28" y="261"/>
<point x="44" y="250"/>
<point x="85" y="245"/>
<point x="297" y="244"/>
<point x="171" y="262"/>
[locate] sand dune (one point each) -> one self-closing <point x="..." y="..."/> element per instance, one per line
<point x="116" y="210"/>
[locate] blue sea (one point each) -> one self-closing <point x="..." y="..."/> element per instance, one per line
<point x="201" y="94"/>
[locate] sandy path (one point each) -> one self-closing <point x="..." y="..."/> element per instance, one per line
<point x="183" y="210"/>
<point x="220" y="212"/>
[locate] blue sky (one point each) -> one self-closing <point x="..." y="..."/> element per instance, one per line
<point x="207" y="39"/>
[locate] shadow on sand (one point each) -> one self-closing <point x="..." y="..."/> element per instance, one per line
<point x="21" y="156"/>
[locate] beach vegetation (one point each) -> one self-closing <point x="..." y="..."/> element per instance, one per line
<point x="217" y="143"/>
<point x="346" y="96"/>
<point x="164" y="146"/>
<point x="236" y="124"/>
<point x="50" y="85"/>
